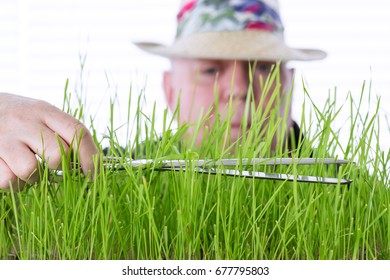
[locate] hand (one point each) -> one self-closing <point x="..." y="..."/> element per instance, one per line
<point x="30" y="127"/>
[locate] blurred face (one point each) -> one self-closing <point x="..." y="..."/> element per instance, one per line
<point x="200" y="83"/>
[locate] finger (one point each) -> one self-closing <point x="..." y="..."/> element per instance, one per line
<point x="26" y="165"/>
<point x="49" y="146"/>
<point x="74" y="133"/>
<point x="8" y="179"/>
<point x="7" y="176"/>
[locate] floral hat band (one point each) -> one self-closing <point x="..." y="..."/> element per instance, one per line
<point x="230" y="30"/>
<point x="213" y="16"/>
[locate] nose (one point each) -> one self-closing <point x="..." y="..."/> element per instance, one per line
<point x="236" y="81"/>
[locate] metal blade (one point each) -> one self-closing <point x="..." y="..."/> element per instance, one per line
<point x="267" y="176"/>
<point x="288" y="161"/>
<point x="122" y="164"/>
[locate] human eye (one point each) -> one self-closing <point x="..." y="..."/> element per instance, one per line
<point x="264" y="67"/>
<point x="209" y="70"/>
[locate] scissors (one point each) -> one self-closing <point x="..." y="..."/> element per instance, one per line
<point x="221" y="166"/>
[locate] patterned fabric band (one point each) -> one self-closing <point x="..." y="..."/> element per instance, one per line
<point x="226" y="15"/>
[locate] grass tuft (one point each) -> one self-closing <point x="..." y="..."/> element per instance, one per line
<point x="149" y="214"/>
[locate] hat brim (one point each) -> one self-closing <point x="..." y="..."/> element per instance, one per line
<point x="233" y="45"/>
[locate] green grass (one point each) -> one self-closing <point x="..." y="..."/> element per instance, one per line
<point x="149" y="214"/>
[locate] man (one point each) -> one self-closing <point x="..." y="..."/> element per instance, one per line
<point x="215" y="41"/>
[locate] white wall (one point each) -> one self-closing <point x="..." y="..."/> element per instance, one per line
<point x="41" y="40"/>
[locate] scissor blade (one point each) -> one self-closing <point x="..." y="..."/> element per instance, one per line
<point x="284" y="177"/>
<point x="288" y="161"/>
<point x="223" y="162"/>
<point x="267" y="176"/>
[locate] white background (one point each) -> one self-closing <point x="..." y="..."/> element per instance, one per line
<point x="41" y="42"/>
<point x="102" y="270"/>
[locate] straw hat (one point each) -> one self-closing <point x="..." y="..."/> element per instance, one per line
<point x="230" y="29"/>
